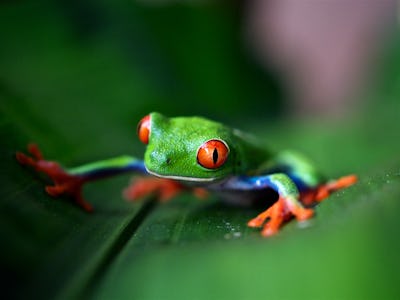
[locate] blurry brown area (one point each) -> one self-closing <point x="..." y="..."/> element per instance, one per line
<point x="325" y="51"/>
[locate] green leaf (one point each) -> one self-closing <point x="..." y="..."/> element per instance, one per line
<point x="77" y="89"/>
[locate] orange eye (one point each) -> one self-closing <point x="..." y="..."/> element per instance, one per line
<point x="212" y="154"/>
<point x="143" y="129"/>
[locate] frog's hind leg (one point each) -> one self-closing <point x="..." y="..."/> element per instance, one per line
<point x="285" y="208"/>
<point x="313" y="187"/>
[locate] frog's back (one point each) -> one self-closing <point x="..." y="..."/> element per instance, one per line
<point x="250" y="154"/>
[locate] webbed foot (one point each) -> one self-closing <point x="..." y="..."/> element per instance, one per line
<point x="64" y="183"/>
<point x="280" y="212"/>
<point x="164" y="189"/>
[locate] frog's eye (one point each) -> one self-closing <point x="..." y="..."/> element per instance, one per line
<point x="143" y="129"/>
<point x="212" y="154"/>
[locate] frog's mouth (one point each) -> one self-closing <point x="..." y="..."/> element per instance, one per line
<point x="182" y="178"/>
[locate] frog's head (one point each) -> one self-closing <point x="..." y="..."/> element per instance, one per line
<point x="187" y="148"/>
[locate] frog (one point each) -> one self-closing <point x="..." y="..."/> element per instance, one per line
<point x="202" y="156"/>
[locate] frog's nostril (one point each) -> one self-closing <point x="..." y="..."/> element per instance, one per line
<point x="159" y="158"/>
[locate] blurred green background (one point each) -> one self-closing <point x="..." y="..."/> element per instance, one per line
<point x="75" y="77"/>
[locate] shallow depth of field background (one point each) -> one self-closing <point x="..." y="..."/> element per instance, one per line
<point x="321" y="78"/>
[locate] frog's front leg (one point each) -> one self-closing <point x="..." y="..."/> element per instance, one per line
<point x="70" y="181"/>
<point x="286" y="207"/>
<point x="163" y="188"/>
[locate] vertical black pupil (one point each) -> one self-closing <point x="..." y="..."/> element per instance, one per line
<point x="215" y="156"/>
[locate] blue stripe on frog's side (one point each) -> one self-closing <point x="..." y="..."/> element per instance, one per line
<point x="253" y="190"/>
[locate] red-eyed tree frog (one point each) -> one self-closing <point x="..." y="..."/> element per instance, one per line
<point x="199" y="154"/>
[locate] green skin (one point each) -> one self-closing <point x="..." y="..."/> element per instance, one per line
<point x="172" y="152"/>
<point x="176" y="141"/>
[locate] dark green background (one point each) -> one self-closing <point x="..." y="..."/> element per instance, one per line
<point x="76" y="77"/>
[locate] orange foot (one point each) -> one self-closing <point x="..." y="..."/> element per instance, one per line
<point x="281" y="211"/>
<point x="164" y="189"/>
<point x="64" y="183"/>
<point x="323" y="191"/>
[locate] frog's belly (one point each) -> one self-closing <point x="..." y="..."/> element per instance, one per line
<point x="259" y="198"/>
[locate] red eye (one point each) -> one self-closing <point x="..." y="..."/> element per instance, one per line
<point x="212" y="154"/>
<point x="143" y="129"/>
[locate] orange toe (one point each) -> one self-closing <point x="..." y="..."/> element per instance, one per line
<point x="304" y="214"/>
<point x="342" y="182"/>
<point x="256" y="222"/>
